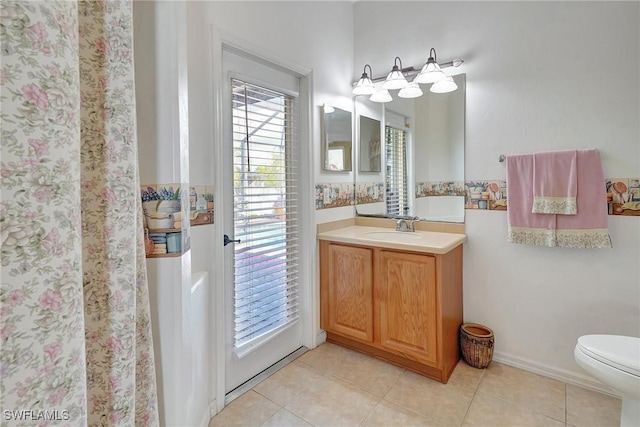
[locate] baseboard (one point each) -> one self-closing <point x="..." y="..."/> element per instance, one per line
<point x="205" y="418"/>
<point x="213" y="408"/>
<point x="321" y="337"/>
<point x="554" y="373"/>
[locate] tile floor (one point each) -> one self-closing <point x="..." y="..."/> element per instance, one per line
<point x="334" y="386"/>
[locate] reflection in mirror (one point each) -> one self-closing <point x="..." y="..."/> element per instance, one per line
<point x="369" y="185"/>
<point x="430" y="130"/>
<point x="337" y="139"/>
<point x="369" y="148"/>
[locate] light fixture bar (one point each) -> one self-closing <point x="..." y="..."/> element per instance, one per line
<point x="411" y="71"/>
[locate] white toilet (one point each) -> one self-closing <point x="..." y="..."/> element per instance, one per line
<point x="615" y="361"/>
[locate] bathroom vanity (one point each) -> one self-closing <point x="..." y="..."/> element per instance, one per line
<point x="393" y="295"/>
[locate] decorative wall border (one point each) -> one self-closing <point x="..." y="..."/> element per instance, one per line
<point x="369" y="192"/>
<point x="334" y="195"/>
<point x="440" y="188"/>
<point x="623" y="195"/>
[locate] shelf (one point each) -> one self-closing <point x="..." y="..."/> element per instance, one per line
<point x="164" y="230"/>
<point x="172" y="255"/>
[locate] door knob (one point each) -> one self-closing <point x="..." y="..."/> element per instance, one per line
<point x="227" y="240"/>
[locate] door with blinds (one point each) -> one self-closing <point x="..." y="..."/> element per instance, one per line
<point x="261" y="218"/>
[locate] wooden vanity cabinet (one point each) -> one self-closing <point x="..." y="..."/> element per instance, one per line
<point x="402" y="307"/>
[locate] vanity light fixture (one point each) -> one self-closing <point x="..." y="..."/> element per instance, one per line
<point x="365" y="85"/>
<point x="382" y="95"/>
<point x="444" y="86"/>
<point x="431" y="71"/>
<point x="395" y="78"/>
<point x="412" y="90"/>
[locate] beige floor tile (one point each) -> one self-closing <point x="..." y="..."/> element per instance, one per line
<point x="387" y="414"/>
<point x="332" y="402"/>
<point x="465" y="376"/>
<point x="366" y="372"/>
<point x="542" y="395"/>
<point x="441" y="404"/>
<point x="588" y="408"/>
<point x="287" y="383"/>
<point x="324" y="357"/>
<point x="284" y="418"/>
<point x="489" y="410"/>
<point x="248" y="410"/>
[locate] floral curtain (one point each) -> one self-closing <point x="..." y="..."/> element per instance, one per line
<point x="75" y="327"/>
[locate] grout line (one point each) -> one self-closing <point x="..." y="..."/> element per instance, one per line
<point x="466" y="414"/>
<point x="566" y="412"/>
<point x="394" y="384"/>
<point x="257" y="379"/>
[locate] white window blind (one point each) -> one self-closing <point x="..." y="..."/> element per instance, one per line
<point x="396" y="171"/>
<point x="265" y="214"/>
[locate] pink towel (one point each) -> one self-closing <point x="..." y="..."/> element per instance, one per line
<point x="589" y="228"/>
<point x="524" y="226"/>
<point x="555" y="182"/>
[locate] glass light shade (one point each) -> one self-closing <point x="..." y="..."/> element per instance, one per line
<point x="395" y="79"/>
<point x="364" y="86"/>
<point x="381" y="96"/>
<point x="412" y="90"/>
<point x="445" y="85"/>
<point x="430" y="73"/>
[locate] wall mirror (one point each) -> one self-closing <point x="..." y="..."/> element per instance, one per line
<point x="337" y="135"/>
<point x="422" y="157"/>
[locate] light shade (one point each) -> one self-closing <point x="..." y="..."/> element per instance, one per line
<point x="445" y="85"/>
<point x="365" y="85"/>
<point x="395" y="79"/>
<point x="431" y="71"/>
<point x="412" y="90"/>
<point x="381" y="96"/>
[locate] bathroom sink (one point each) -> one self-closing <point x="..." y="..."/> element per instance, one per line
<point x="393" y="236"/>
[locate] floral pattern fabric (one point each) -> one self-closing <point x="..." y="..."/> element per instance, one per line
<point x="74" y="308"/>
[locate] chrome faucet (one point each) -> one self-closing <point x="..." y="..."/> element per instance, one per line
<point x="406" y="224"/>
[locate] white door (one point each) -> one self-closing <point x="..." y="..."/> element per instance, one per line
<point x="261" y="291"/>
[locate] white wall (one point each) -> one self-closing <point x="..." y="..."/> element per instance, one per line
<point x="315" y="35"/>
<point x="540" y="76"/>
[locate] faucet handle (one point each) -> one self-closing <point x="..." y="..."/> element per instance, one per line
<point x="415" y="219"/>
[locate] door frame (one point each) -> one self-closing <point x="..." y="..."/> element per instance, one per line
<point x="309" y="310"/>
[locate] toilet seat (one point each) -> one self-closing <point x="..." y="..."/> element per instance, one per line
<point x="617" y="351"/>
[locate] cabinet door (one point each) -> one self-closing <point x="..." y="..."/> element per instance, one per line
<point x="407" y="298"/>
<point x="349" y="296"/>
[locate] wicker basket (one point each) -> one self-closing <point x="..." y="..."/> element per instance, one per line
<point x="476" y="342"/>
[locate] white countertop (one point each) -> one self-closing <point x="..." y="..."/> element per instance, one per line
<point x="417" y="241"/>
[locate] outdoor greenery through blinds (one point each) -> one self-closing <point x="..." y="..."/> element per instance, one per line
<point x="265" y="214"/>
<point x="396" y="171"/>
